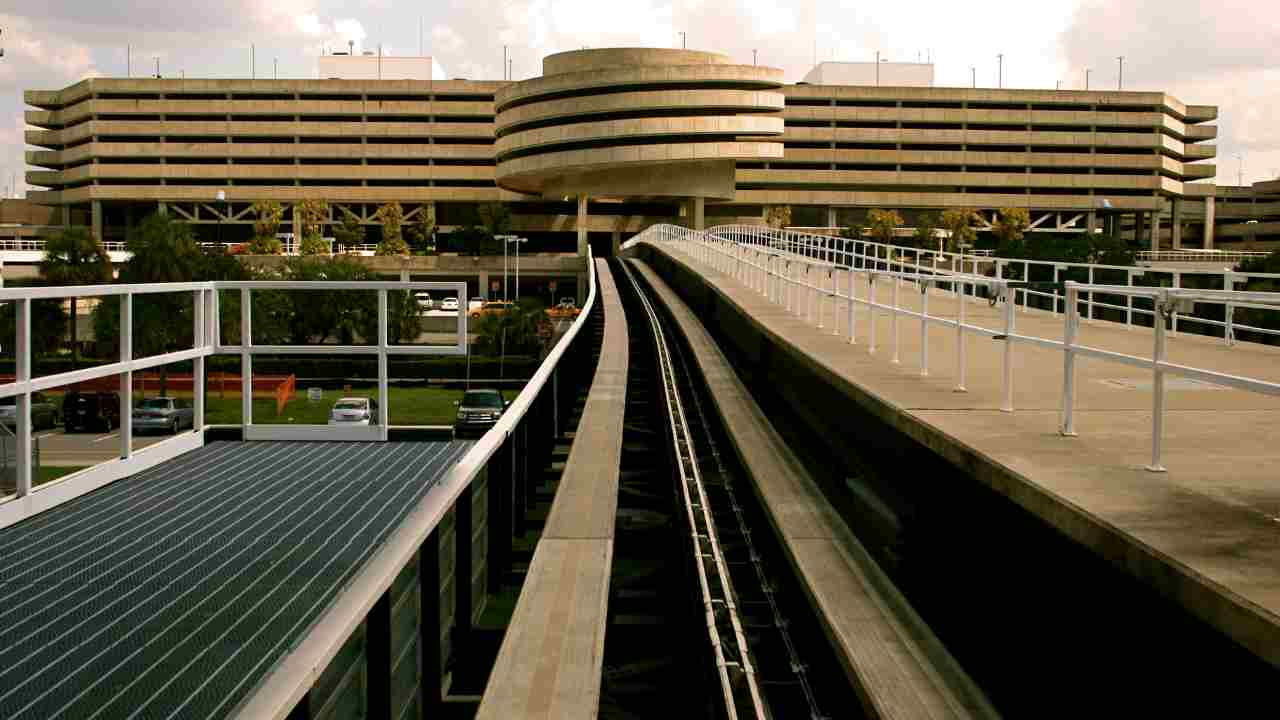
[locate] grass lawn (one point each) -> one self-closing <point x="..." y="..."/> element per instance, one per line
<point x="409" y="406"/>
<point x="46" y="473"/>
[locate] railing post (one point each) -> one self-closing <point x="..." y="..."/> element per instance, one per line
<point x="1070" y="327"/>
<point x="924" y="327"/>
<point x="871" y="308"/>
<point x="246" y="361"/>
<point x="1090" y="305"/>
<point x="1177" y="283"/>
<point x="1157" y="389"/>
<point x="853" y="301"/>
<point x="126" y="377"/>
<point x="384" y="413"/>
<point x="199" y="304"/>
<point x="1228" y="327"/>
<point x="1056" y="268"/>
<point x="1128" y="311"/>
<point x="22" y="403"/>
<point x="1009" y="307"/>
<point x="893" y="321"/>
<point x="960" y="343"/>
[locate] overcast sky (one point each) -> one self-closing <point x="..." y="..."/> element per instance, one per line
<point x="1219" y="52"/>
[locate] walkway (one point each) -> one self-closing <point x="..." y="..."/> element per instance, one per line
<point x="173" y="592"/>
<point x="1206" y="533"/>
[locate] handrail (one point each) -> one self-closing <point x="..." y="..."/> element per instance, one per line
<point x="775" y="273"/>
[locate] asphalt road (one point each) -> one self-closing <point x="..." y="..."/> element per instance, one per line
<point x="62" y="450"/>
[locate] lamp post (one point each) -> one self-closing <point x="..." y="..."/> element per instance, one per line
<point x="518" y="241"/>
<point x="1086" y="78"/>
<point x="1000" y="70"/>
<point x="505" y="239"/>
<point x="683" y="40"/>
<point x="1120" y="78"/>
<point x="221" y="199"/>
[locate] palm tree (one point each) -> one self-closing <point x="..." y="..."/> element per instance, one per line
<point x="75" y="257"/>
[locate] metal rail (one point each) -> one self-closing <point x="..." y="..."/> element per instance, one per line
<point x="724" y="625"/>
<point x="803" y="279"/>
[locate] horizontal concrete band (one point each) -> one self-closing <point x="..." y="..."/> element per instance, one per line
<point x="648" y="100"/>
<point x="638" y="129"/>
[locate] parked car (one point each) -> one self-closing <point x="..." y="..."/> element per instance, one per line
<point x="354" y="411"/>
<point x="163" y="414"/>
<point x="478" y="411"/>
<point x="449" y="303"/>
<point x="44" y="414"/>
<point x="425" y="301"/>
<point x="492" y="307"/>
<point x="98" y="411"/>
<point x="475" y="304"/>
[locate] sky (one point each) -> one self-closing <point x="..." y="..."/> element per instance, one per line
<point x="1224" y="52"/>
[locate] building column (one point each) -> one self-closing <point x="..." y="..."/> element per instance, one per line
<point x="95" y="218"/>
<point x="404" y="276"/>
<point x="615" y="245"/>
<point x="1155" y="230"/>
<point x="1139" y="228"/>
<point x="831" y="216"/>
<point x="699" y="213"/>
<point x="582" y="225"/>
<point x="1177" y="224"/>
<point x="1092" y="223"/>
<point x="163" y="207"/>
<point x="1210" y="204"/>
<point x="484" y="285"/>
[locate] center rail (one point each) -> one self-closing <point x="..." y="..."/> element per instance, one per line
<point x="738" y="680"/>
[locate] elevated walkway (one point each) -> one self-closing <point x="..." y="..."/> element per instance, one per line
<point x="552" y="656"/>
<point x="1205" y="535"/>
<point x="173" y="592"/>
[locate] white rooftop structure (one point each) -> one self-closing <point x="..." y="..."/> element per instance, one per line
<point x="894" y="74"/>
<point x="371" y="66"/>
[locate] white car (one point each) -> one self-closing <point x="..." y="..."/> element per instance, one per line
<point x="424" y="301"/>
<point x="449" y="303"/>
<point x="475" y="304"/>
<point x="354" y="411"/>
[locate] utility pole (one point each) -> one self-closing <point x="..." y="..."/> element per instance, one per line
<point x="1000" y="70"/>
<point x="1120" y="78"/>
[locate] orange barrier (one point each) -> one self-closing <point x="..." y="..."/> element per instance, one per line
<point x="284" y="391"/>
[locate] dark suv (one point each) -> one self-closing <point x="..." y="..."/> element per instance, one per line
<point x="478" y="412"/>
<point x="93" y="411"/>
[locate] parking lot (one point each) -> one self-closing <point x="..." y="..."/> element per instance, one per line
<point x="58" y="449"/>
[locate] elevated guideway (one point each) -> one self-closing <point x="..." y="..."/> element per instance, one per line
<point x="1200" y="537"/>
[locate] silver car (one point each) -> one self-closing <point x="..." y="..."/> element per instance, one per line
<point x="354" y="411"/>
<point x="163" y="414"/>
<point x="44" y="414"/>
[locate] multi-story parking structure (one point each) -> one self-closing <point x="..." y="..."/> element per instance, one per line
<point x="643" y="135"/>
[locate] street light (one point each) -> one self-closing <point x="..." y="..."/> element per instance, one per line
<point x="221" y="199"/>
<point x="518" y="242"/>
<point x="683" y="40"/>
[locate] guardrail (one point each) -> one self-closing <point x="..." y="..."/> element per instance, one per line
<point x="288" y="245"/>
<point x="206" y="329"/>
<point x="505" y="455"/>
<point x="1050" y="276"/>
<point x="1191" y="255"/>
<point x="770" y="263"/>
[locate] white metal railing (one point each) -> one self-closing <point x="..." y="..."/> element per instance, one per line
<point x="290" y="247"/>
<point x="37" y="245"/>
<point x="861" y="251"/>
<point x="782" y="268"/>
<point x="206" y="321"/>
<point x="1197" y="255"/>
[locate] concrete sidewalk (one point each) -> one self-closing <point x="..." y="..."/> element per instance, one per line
<point x="1213" y="518"/>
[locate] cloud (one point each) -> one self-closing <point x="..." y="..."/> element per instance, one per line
<point x="1226" y="53"/>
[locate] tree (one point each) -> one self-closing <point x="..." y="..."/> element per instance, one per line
<point x="312" y="216"/>
<point x="75" y="257"/>
<point x="926" y="229"/>
<point x="514" y="332"/>
<point x="391" y="216"/>
<point x="350" y="231"/>
<point x="270" y="214"/>
<point x="1010" y="229"/>
<point x="48" y="325"/>
<point x="421" y="234"/>
<point x="884" y="225"/>
<point x="495" y="218"/>
<point x="958" y="222"/>
<point x="777" y="216"/>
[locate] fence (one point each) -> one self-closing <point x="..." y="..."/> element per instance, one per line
<point x="207" y="322"/>
<point x="776" y="264"/>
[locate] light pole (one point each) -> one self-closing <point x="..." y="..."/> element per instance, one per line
<point x="1086" y="78"/>
<point x="973" y="70"/>
<point x="1000" y="70"/>
<point x="221" y="199"/>
<point x="1239" y="169"/>
<point x="1120" y="77"/>
<point x="753" y="57"/>
<point x="518" y="242"/>
<point x="877" y="68"/>
<point x="683" y="40"/>
<point x="505" y="239"/>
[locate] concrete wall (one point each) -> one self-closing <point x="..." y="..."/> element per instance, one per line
<point x="866" y="73"/>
